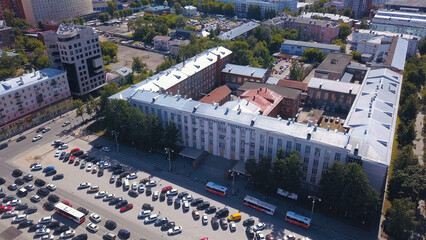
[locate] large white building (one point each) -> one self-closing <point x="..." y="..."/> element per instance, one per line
<point x="236" y="134"/>
<point x="413" y="23"/>
<point x="38" y="10"/>
<point x="76" y="49"/>
<point x="241" y="6"/>
<point x="31" y="92"/>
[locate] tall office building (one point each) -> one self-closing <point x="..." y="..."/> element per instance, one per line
<point x="76" y="49"/>
<point x="361" y="7"/>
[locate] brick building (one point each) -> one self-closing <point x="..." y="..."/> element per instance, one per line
<point x="333" y="66"/>
<point x="219" y="95"/>
<point x="236" y="75"/>
<point x="161" y="43"/>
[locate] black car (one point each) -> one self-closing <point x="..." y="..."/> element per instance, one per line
<point x="21" y="207"/>
<point x="28" y="177"/>
<point x="82" y="236"/>
<point x="101" y="172"/>
<point x="133" y="193"/>
<point x="114" y="201"/>
<point x="124" y="174"/>
<point x="9" y="198"/>
<point x="203" y="205"/>
<point x="168" y="225"/>
<point x="67" y="157"/>
<point x="224" y="212"/>
<point x="53" y="224"/>
<point x="161" y="221"/>
<point x="119" y="182"/>
<point x="48" y="206"/>
<point x="162" y="196"/>
<point x="248" y="222"/>
<point x="51" y="173"/>
<point x="177" y="202"/>
<point x="20" y="138"/>
<point x="83" y="210"/>
<point x="118" y="171"/>
<point x="123" y="234"/>
<point x="19" y="181"/>
<point x="40" y="182"/>
<point x="169" y="200"/>
<point x="147" y="206"/>
<point x="110" y="225"/>
<point x="34" y="227"/>
<point x="53" y="198"/>
<point x="4" y="145"/>
<point x="211" y="209"/>
<point x="2" y="181"/>
<point x="26" y="223"/>
<point x="90" y="158"/>
<point x="2" y="194"/>
<point x="196" y="201"/>
<point x="58" y="176"/>
<point x="182" y="195"/>
<point x="78" y="153"/>
<point x="223" y="223"/>
<point x="40" y="130"/>
<point x="30" y="210"/>
<point x="250" y="232"/>
<point x="214" y="222"/>
<point x="17" y="173"/>
<point x="43" y="192"/>
<point x="98" y="146"/>
<point x="121" y="203"/>
<point x="62" y="229"/>
<point x="84" y="156"/>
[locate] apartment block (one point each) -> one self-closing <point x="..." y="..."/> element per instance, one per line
<point x="241" y="6"/>
<point x="31" y="92"/>
<point x="236" y="75"/>
<point x="7" y="37"/>
<point x="360" y="7"/>
<point x="76" y="49"/>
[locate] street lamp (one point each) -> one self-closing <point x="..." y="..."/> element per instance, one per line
<point x="233" y="181"/>
<point x="169" y="151"/>
<point x="314" y="198"/>
<point x="116" y="136"/>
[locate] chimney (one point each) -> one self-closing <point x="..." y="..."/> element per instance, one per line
<point x="356" y="150"/>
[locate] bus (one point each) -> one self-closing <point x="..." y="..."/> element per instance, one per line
<point x="70" y="213"/>
<point x="299" y="220"/>
<point x="216" y="189"/>
<point x="259" y="205"/>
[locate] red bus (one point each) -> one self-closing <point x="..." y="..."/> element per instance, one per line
<point x="70" y="213"/>
<point x="299" y="220"/>
<point x="259" y="205"/>
<point x="216" y="189"/>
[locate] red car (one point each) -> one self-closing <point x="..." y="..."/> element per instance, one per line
<point x="67" y="203"/>
<point x="165" y="189"/>
<point x="72" y="159"/>
<point x="75" y="150"/>
<point x="5" y="208"/>
<point x="269" y="237"/>
<point x="126" y="208"/>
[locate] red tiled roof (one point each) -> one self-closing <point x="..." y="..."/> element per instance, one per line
<point x="216" y="95"/>
<point x="265" y="99"/>
<point x="293" y="84"/>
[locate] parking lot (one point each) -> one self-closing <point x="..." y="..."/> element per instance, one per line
<point x="281" y="69"/>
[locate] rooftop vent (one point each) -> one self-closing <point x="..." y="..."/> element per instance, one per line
<point x="195" y="108"/>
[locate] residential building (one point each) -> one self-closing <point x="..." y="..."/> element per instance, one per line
<point x="158" y="10"/>
<point x="239" y="135"/>
<point x="76" y="49"/>
<point x="241" y="6"/>
<point x="7" y="37"/>
<point x="329" y="16"/>
<point x="175" y="45"/>
<point x="161" y="43"/>
<point x="243" y="30"/>
<point x="49" y="25"/>
<point x="272" y="100"/>
<point x="404" y="4"/>
<point x="361" y="8"/>
<point x="31" y="92"/>
<point x="402" y="22"/>
<point x="12" y="5"/>
<point x="302" y="86"/>
<point x="394" y="57"/>
<point x="189" y="11"/>
<point x="296" y="47"/>
<point x="192" y="78"/>
<point x="333" y="66"/>
<point x="332" y="95"/>
<point x="236" y="75"/>
<point x="338" y="4"/>
<point x="372" y="45"/>
<point x="219" y="95"/>
<point x="38" y="10"/>
<point x="365" y="34"/>
<point x="102" y="6"/>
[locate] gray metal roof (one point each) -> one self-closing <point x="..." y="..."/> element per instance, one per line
<point x="408" y="3"/>
<point x="243" y="28"/>
<point x="332" y="47"/>
<point x="334" y="86"/>
<point x="244" y="70"/>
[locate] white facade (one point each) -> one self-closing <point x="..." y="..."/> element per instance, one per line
<point x="38" y="10"/>
<point x="31" y="92"/>
<point x="241" y="6"/>
<point x="413" y="23"/>
<point x="189" y="11"/>
<point x="76" y="49"/>
<point x="373" y="45"/>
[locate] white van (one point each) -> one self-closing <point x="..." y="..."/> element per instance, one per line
<point x="126" y="184"/>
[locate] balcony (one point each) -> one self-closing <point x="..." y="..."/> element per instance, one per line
<point x="17" y="95"/>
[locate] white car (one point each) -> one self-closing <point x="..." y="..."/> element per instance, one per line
<point x="101" y="194"/>
<point x="38" y="137"/>
<point x="106" y="149"/>
<point x="141" y="188"/>
<point x="205" y="219"/>
<point x="64" y="146"/>
<point x="95" y="217"/>
<point x="85" y="185"/>
<point x="132" y="176"/>
<point x="175" y="230"/>
<point x="42" y="231"/>
<point x="232" y="226"/>
<point x="151" y="218"/>
<point x="36" y="198"/>
<point x="92" y="227"/>
<point x="89" y="167"/>
<point x="185" y="205"/>
<point x="67" y="234"/>
<point x="260" y="236"/>
<point x="134" y="185"/>
<point x="46" y="129"/>
<point x="45" y="220"/>
<point x="109" y="197"/>
<point x="29" y="187"/>
<point x="144" y="214"/>
<point x="57" y="153"/>
<point x="106" y="165"/>
<point x="66" y="123"/>
<point x="13" y="202"/>
<point x="188" y="198"/>
<point x="172" y="192"/>
<point x="151" y="183"/>
<point x="155" y="195"/>
<point x="56" y="142"/>
<point x="10" y="214"/>
<point x="47" y="237"/>
<point x="51" y="187"/>
<point x="20" y="218"/>
<point x="259" y="227"/>
<point x="38" y="166"/>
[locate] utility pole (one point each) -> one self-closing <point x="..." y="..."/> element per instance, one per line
<point x="233" y="181"/>
<point x="314" y="198"/>
<point x="169" y="151"/>
<point x="116" y="136"/>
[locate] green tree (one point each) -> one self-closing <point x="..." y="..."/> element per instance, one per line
<point x="180" y="22"/>
<point x="408" y="111"/>
<point x="112" y="7"/>
<point x="348" y="12"/>
<point x="78" y="104"/>
<point x="400" y="219"/>
<point x="275" y="44"/>
<point x="116" y="14"/>
<point x="405" y="158"/>
<point x="422" y="46"/>
<point x="356" y="55"/>
<point x="407" y="89"/>
<point x="253" y="12"/>
<point x="296" y="71"/>
<point x="332" y="185"/>
<point x="292" y="173"/>
<point x="263" y="169"/>
<point x="8" y="66"/>
<point x="177" y="7"/>
<point x="229" y="9"/>
<point x="108" y="90"/>
<point x="262" y="56"/>
<point x="135" y="127"/>
<point x="250" y="167"/>
<point x="138" y="66"/>
<point x="103" y="17"/>
<point x="109" y="49"/>
<point x="78" y="21"/>
<point x="168" y="63"/>
<point x="171" y="135"/>
<point x="117" y="116"/>
<point x="241" y="53"/>
<point x="408" y="183"/>
<point x="364" y="24"/>
<point x="406" y="133"/>
<point x="18" y="24"/>
<point x="313" y="55"/>
<point x="344" y="31"/>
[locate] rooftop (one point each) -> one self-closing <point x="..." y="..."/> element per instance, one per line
<point x="283" y="91"/>
<point x="29" y="78"/>
<point x="243" y="106"/>
<point x="66" y="28"/>
<point x="264" y="98"/>
<point x="397" y="54"/>
<point x="332" y="47"/>
<point x="293" y="84"/>
<point x="216" y="95"/>
<point x="330" y="16"/>
<point x="124" y="71"/>
<point x="322" y="23"/>
<point x="244" y="70"/>
<point x="408" y="3"/>
<point x="372" y="118"/>
<point x="157" y="8"/>
<point x="387" y="34"/>
<point x="161" y="38"/>
<point x="334" y="86"/>
<point x="335" y="62"/>
<point x="243" y="28"/>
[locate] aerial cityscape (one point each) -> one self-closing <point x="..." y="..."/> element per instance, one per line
<point x="212" y="119"/>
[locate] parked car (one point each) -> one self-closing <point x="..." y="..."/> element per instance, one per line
<point x="174" y="231"/>
<point x="110" y="225"/>
<point x="95" y="217"/>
